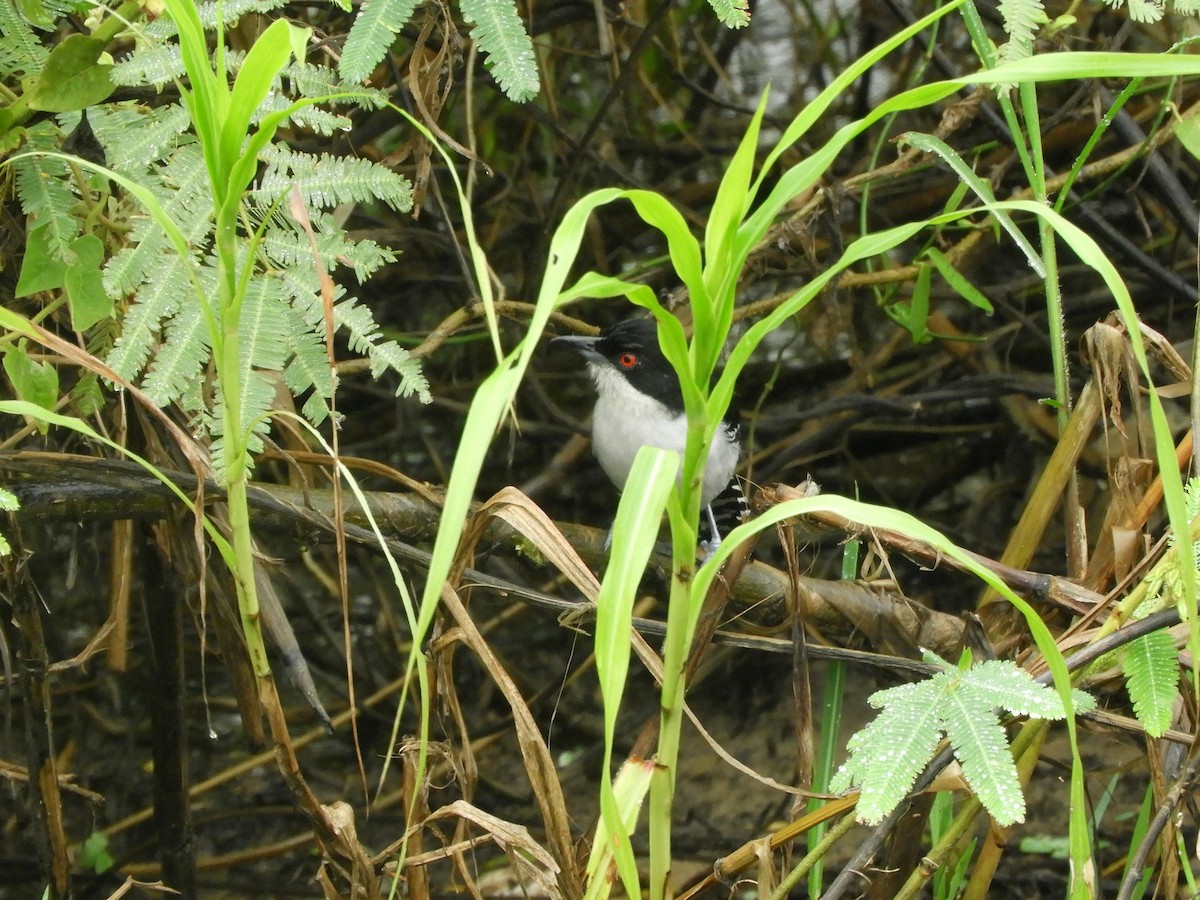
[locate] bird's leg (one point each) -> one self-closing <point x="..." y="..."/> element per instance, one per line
<point x="709" y="547"/>
<point x="712" y="528"/>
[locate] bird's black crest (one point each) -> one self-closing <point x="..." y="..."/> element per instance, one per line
<point x="631" y="347"/>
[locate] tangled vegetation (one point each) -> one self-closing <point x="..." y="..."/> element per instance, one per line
<point x="307" y="585"/>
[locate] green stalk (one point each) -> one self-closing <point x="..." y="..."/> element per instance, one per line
<point x="819" y="849"/>
<point x="243" y="549"/>
<point x="229" y="378"/>
<point x="227" y="357"/>
<point x="662" y="782"/>
<point x="1057" y="325"/>
<point x="831" y="717"/>
<point x="684" y="518"/>
<point x="1079" y="837"/>
<point x="221" y="119"/>
<point x="1036" y="173"/>
<point x="118" y="21"/>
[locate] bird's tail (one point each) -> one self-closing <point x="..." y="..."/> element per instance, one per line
<point x="729" y="509"/>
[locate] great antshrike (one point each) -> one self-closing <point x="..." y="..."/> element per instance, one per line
<point x="639" y="403"/>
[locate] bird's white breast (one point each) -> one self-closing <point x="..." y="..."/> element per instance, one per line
<point x="625" y="420"/>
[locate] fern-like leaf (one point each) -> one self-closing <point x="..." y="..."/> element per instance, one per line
<point x="325" y="181"/>
<point x="1022" y="19"/>
<point x="308" y="369"/>
<point x="210" y="12"/>
<point x="365" y="257"/>
<point x="315" y="82"/>
<point x="886" y="756"/>
<point x="1145" y="11"/>
<point x="87" y="397"/>
<point x="157" y="64"/>
<point x="1164" y="584"/>
<point x="183" y="354"/>
<point x="1001" y="684"/>
<point x="167" y="287"/>
<point x="133" y="136"/>
<point x="374" y="29"/>
<point x="44" y="188"/>
<point x="384" y="355"/>
<point x="288" y="248"/>
<point x="165" y="341"/>
<point x="315" y="119"/>
<point x="262" y="327"/>
<point x="732" y="13"/>
<point x="182" y="188"/>
<point x="506" y="46"/>
<point x="319" y="81"/>
<point x="981" y="747"/>
<point x="21" y="53"/>
<point x="263" y="354"/>
<point x="1152" y="679"/>
<point x="258" y="392"/>
<point x="388" y="356"/>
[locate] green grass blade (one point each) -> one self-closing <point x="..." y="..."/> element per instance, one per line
<point x="837" y="88"/>
<point x="619" y="802"/>
<point x="208" y="97"/>
<point x="639" y="516"/>
<point x="928" y="143"/>
<point x="267" y="56"/>
<point x="728" y="209"/>
<point x="1086" y="64"/>
<point x="491" y="400"/>
<point x="682" y="246"/>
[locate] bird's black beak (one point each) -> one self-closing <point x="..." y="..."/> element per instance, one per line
<point x="584" y="346"/>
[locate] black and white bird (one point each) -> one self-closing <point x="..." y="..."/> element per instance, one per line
<point x="639" y="403"/>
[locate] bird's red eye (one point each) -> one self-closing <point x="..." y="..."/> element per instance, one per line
<point x="627" y="360"/>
